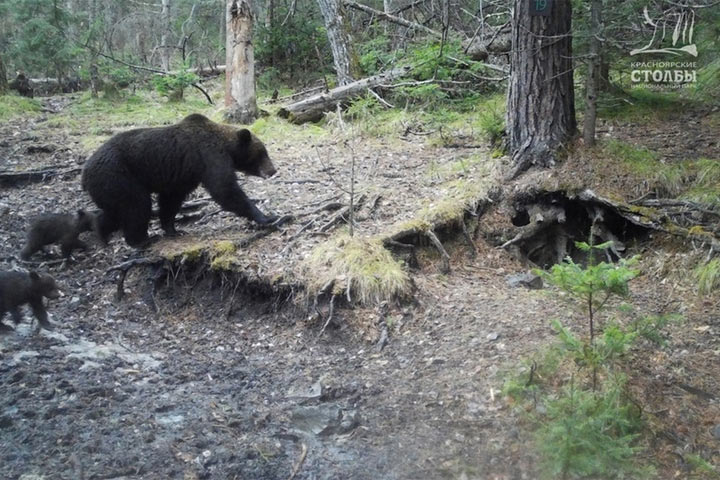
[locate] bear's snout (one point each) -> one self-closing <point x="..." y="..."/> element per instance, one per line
<point x="267" y="169"/>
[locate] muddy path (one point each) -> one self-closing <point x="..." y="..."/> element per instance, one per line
<point x="220" y="384"/>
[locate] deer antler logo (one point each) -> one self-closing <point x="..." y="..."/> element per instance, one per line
<point x="682" y="33"/>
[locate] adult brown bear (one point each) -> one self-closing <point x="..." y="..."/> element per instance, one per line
<point x="172" y="161"/>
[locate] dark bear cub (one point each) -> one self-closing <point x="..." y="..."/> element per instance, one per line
<point x="58" y="228"/>
<point x="19" y="288"/>
<point x="172" y="161"/>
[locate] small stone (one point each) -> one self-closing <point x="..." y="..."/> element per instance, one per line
<point x="528" y="280"/>
<point x="492" y="336"/>
<point x="716" y="431"/>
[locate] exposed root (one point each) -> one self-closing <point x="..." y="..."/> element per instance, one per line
<point x="445" y="266"/>
<point x="159" y="272"/>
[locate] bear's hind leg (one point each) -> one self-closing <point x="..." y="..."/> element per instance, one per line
<point x="106" y="224"/>
<point x="169" y="204"/>
<point x="136" y="217"/>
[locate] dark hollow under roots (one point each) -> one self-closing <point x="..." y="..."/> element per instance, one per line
<point x="549" y="224"/>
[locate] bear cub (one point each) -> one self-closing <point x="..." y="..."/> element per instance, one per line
<point x="172" y="161"/>
<point x="19" y="288"/>
<point x="58" y="228"/>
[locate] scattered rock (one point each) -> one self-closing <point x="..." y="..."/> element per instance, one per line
<point x="324" y="420"/>
<point x="527" y="280"/>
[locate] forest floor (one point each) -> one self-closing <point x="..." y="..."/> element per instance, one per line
<point x="223" y="383"/>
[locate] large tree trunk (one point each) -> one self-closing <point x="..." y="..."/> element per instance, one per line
<point x="593" y="77"/>
<point x="541" y="106"/>
<point x="338" y="37"/>
<point x="164" y="41"/>
<point x="240" y="102"/>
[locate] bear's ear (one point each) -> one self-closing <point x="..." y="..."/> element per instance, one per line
<point x="34" y="277"/>
<point x="244" y="136"/>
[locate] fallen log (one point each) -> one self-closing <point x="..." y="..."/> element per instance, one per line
<point x="312" y="109"/>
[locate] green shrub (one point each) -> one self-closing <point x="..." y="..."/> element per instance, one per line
<point x="173" y="85"/>
<point x="589" y="426"/>
<point x="585" y="434"/>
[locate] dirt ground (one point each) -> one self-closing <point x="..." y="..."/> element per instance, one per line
<point x="222" y="384"/>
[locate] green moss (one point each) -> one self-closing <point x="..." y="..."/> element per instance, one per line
<point x="361" y="264"/>
<point x="183" y="252"/>
<point x="12" y="106"/>
<point x="222" y="255"/>
<point x="455" y="198"/>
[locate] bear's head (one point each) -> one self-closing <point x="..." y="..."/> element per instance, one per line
<point x="253" y="158"/>
<point x="44" y="285"/>
<point x="84" y="222"/>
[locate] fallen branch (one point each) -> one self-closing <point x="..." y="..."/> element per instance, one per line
<point x="343" y="215"/>
<point x="11" y="179"/>
<point x="392" y="18"/>
<point x="152" y="70"/>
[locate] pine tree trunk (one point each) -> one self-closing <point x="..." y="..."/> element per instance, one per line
<point x="165" y="42"/>
<point x="593" y="77"/>
<point x="3" y="77"/>
<point x="240" y="101"/>
<point x="338" y="37"/>
<point x="604" y="79"/>
<point x="541" y="105"/>
<point x="269" y="24"/>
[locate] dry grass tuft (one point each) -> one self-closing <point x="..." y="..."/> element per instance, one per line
<point x="361" y="266"/>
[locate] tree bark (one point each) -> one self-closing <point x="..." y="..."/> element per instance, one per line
<point x="333" y="16"/>
<point x="240" y="100"/>
<point x="3" y="77"/>
<point x="593" y="77"/>
<point x="541" y="106"/>
<point x="164" y="42"/>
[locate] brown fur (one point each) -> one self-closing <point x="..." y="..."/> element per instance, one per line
<point x="19" y="288"/>
<point x="57" y="228"/>
<point x="172" y="161"/>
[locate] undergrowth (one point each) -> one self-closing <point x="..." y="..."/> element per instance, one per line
<point x="696" y="180"/>
<point x="707" y="276"/>
<point x="12" y="106"/>
<point x="586" y="423"/>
